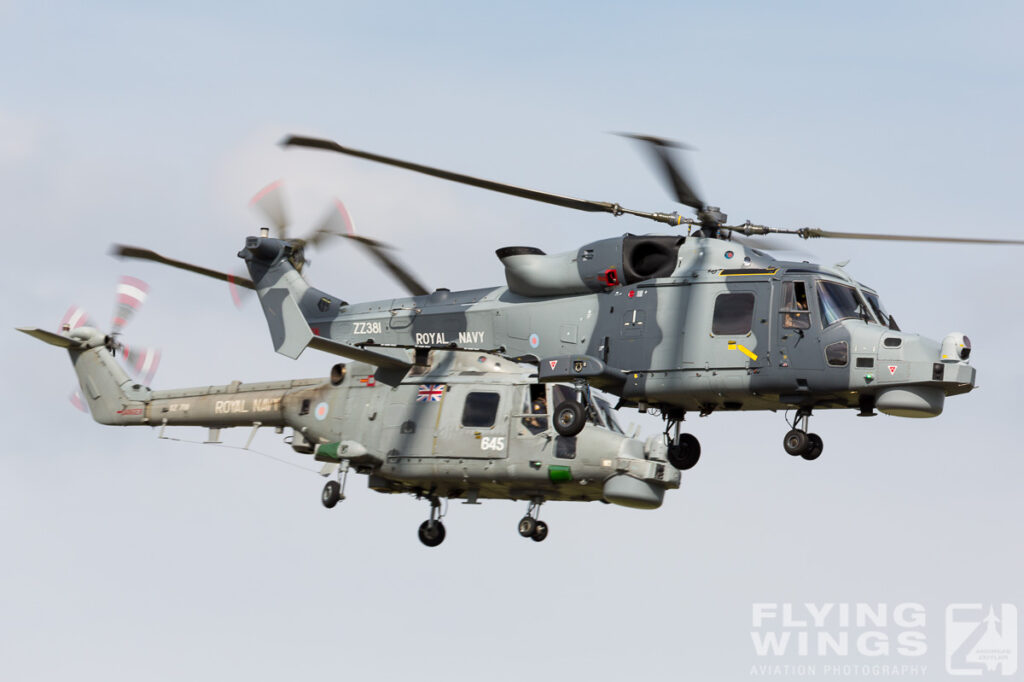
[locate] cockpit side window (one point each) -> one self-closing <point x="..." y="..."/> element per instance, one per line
<point x="795" y="314"/>
<point x="535" y="409"/>
<point x="609" y="416"/>
<point x="876" y="305"/>
<point x="840" y="302"/>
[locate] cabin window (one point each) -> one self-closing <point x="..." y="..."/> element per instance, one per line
<point x="304" y="409"/>
<point x="535" y="409"/>
<point x="837" y="354"/>
<point x="794" y="308"/>
<point x="481" y="409"/>
<point x="734" y="314"/>
<point x="840" y="302"/>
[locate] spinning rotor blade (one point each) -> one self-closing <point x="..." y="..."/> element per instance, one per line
<point x="270" y="202"/>
<point x="336" y="223"/>
<point x="546" y="197"/>
<point x="78" y="401"/>
<point x="377" y="250"/>
<point x="814" y="233"/>
<point x="122" y="251"/>
<point x="143" y="362"/>
<point x="658" y="148"/>
<point x="768" y="244"/>
<point x="238" y="296"/>
<point x="131" y="293"/>
<point x="76" y="317"/>
<point x="522" y="192"/>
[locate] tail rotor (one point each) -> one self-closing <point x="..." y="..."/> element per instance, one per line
<point x="140" y="362"/>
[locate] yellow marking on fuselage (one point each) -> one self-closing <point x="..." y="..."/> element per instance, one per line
<point x="743" y="349"/>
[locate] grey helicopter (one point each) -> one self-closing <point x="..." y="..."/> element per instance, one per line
<point x="467" y="426"/>
<point x="677" y="324"/>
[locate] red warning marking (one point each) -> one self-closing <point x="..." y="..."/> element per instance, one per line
<point x="892" y="369"/>
<point x="553" y="363"/>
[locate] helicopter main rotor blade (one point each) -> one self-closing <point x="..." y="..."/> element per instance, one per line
<point x="658" y="148"/>
<point x="122" y="251"/>
<point x="814" y="233"/>
<point x="377" y="250"/>
<point x="535" y="195"/>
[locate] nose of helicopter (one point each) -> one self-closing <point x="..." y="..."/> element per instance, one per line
<point x="914" y="374"/>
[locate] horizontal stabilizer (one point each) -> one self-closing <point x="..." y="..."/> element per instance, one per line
<point x="50" y="337"/>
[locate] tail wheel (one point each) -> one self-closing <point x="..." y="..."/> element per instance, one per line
<point x="570" y="417"/>
<point x="540" y="532"/>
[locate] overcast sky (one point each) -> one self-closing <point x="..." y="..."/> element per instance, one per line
<point x="128" y="558"/>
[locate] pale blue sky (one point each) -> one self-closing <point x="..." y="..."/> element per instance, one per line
<point x="129" y="558"/>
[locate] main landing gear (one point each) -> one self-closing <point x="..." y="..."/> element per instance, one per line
<point x="683" y="448"/>
<point x="798" y="442"/>
<point x="431" y="531"/>
<point x="334" y="491"/>
<point x="530" y="526"/>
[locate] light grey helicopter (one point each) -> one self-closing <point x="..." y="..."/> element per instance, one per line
<point x="467" y="426"/>
<point x="698" y="323"/>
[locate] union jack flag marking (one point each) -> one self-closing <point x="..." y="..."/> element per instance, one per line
<point x="430" y="393"/>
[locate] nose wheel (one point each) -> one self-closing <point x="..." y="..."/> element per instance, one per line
<point x="570" y="416"/>
<point x="798" y="442"/>
<point x="532" y="527"/>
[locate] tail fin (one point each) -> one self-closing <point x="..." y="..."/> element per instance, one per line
<point x="113" y="397"/>
<point x="299" y="315"/>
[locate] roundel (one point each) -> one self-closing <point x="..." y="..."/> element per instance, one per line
<point x="534" y="340"/>
<point x="321" y="411"/>
<point x="728" y="254"/>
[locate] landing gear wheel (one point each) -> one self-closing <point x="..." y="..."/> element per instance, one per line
<point x="528" y="526"/>
<point x="814" y="447"/>
<point x="431" y="533"/>
<point x="570" y="418"/>
<point x="795" y="442"/>
<point x="331" y="494"/>
<point x="685" y="452"/>
<point x="540" y="532"/>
